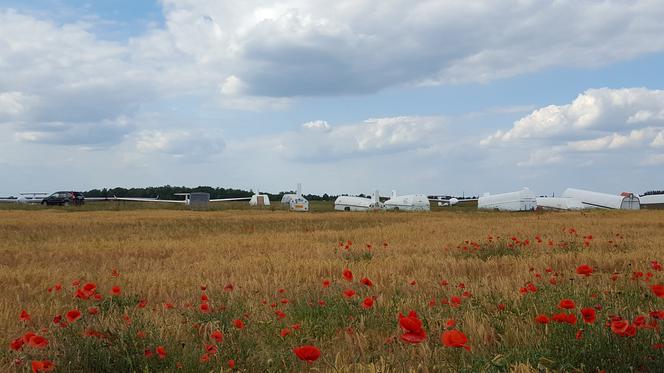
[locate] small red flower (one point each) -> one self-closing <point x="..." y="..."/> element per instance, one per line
<point x="542" y="319"/>
<point x="347" y="274"/>
<point x="231" y="364"/>
<point x="42" y="366"/>
<point x="217" y="336"/>
<point x="307" y="353"/>
<point x="73" y="315"/>
<point x="567" y="304"/>
<point x="658" y="290"/>
<point x="93" y="310"/>
<point x="326" y="283"/>
<point x="229" y="287"/>
<point x="116" y="291"/>
<point x="589" y="315"/>
<point x="349" y="293"/>
<point x="238" y="324"/>
<point x="24" y="316"/>
<point x="17" y="344"/>
<point x="366" y="281"/>
<point x="584" y="270"/>
<point x="284" y="332"/>
<point x="38" y="341"/>
<point x="367" y="303"/>
<point x="454" y="338"/>
<point x="204" y="307"/>
<point x="161" y="351"/>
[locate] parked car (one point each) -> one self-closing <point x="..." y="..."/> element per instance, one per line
<point x="64" y="199"/>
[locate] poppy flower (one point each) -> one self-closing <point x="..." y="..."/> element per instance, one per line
<point x="501" y="307"/>
<point x="115" y="273"/>
<point x="367" y="303"/>
<point x="161" y="351"/>
<point x="658" y="290"/>
<point x="414" y="337"/>
<point x="229" y="287"/>
<point x="567" y="304"/>
<point x="204" y="307"/>
<point x="140" y="334"/>
<point x="589" y="315"/>
<point x="349" y="293"/>
<point x="17" y="344"/>
<point x="347" y="274"/>
<point x="455" y="301"/>
<point x="284" y="332"/>
<point x="655" y="265"/>
<point x="211" y="349"/>
<point x="204" y="358"/>
<point x="42" y="366"/>
<point x="38" y="341"/>
<point x="116" y="291"/>
<point x="307" y="353"/>
<point x="24" y="316"/>
<point x="238" y="324"/>
<point x="454" y="338"/>
<point x="619" y="326"/>
<point x="541" y="319"/>
<point x="579" y="334"/>
<point x="93" y="310"/>
<point x="147" y="353"/>
<point x="27" y="336"/>
<point x="280" y="314"/>
<point x="204" y="297"/>
<point x="584" y="270"/>
<point x="326" y="283"/>
<point x="451" y="323"/>
<point x="411" y="322"/>
<point x="231" y="364"/>
<point x="217" y="336"/>
<point x="73" y="315"/>
<point x="366" y="281"/>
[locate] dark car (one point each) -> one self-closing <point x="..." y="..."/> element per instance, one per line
<point x="64" y="199"/>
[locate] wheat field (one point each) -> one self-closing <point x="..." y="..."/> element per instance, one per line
<point x="267" y="269"/>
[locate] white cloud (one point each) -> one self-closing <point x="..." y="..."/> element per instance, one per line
<point x="180" y="143"/>
<point x="599" y="120"/>
<point x="318" y="141"/>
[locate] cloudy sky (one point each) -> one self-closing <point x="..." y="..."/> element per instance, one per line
<point x="347" y="96"/>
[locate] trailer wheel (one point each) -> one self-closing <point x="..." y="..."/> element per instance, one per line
<point x="346" y="208"/>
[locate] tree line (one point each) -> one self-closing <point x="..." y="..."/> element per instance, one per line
<point x="169" y="191"/>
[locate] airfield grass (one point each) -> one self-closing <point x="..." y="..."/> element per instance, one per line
<point x="164" y="255"/>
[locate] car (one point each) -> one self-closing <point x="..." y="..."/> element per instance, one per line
<point x="64" y="199"/>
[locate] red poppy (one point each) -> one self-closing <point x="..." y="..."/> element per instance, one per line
<point x="115" y="273"/>
<point x="140" y="334"/>
<point x="142" y="303"/>
<point x="280" y="314"/>
<point x="204" y="307"/>
<point x="204" y="297"/>
<point x="38" y="341"/>
<point x="579" y="334"/>
<point x="231" y="364"/>
<point x="93" y="310"/>
<point x="307" y="353"/>
<point x="116" y="291"/>
<point x="24" y="316"/>
<point x="229" y="287"/>
<point x="619" y="326"/>
<point x="454" y="338"/>
<point x="347" y="274"/>
<point x="658" y="290"/>
<point x="27" y="336"/>
<point x="655" y="265"/>
<point x="588" y="315"/>
<point x="501" y="307"/>
<point x="451" y="323"/>
<point x="366" y="281"/>
<point x="411" y="322"/>
<point x="284" y="332"/>
<point x="73" y="315"/>
<point x="541" y="319"/>
<point x="147" y="353"/>
<point x="211" y="349"/>
<point x="455" y="301"/>
<point x="414" y="337"/>
<point x="17" y="344"/>
<point x="161" y="351"/>
<point x="217" y="336"/>
<point x="238" y="324"/>
<point x="42" y="366"/>
<point x="349" y="293"/>
<point x="567" y="304"/>
<point x="367" y="303"/>
<point x="326" y="283"/>
<point x="204" y="358"/>
<point x="584" y="270"/>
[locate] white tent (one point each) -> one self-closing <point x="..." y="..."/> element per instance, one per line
<point x="591" y="199"/>
<point x="523" y="200"/>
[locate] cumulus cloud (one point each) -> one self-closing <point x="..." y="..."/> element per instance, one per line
<point x="309" y="48"/>
<point x="599" y="120"/>
<point x="318" y="141"/>
<point x="180" y="143"/>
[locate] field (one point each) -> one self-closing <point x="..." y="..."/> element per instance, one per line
<point x="175" y="290"/>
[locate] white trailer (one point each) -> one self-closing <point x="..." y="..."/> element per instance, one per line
<point x="298" y="202"/>
<point x="523" y="200"/>
<point x="352" y="203"/>
<point x="559" y="203"/>
<point x="591" y="199"/>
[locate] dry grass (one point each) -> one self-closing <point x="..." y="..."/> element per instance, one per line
<point x="165" y="255"/>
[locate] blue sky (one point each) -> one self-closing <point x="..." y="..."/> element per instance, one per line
<point x="345" y="97"/>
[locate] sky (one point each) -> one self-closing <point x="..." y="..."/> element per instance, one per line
<point x="436" y="96"/>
